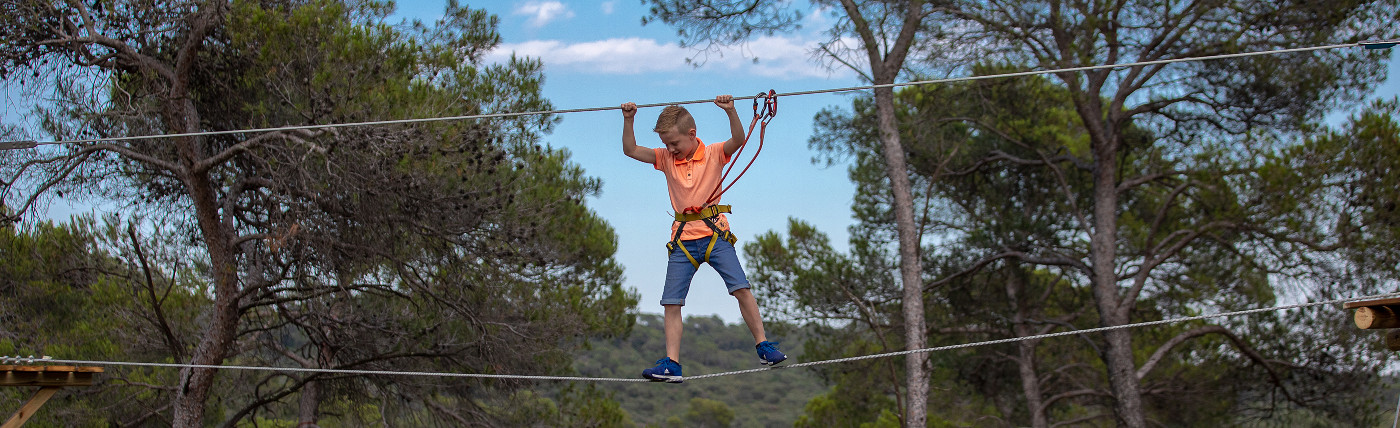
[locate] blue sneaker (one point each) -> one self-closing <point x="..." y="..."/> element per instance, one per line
<point x="768" y="353"/>
<point x="666" y="370"/>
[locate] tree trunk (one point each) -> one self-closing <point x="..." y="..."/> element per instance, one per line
<point x="221" y="331"/>
<point x="910" y="267"/>
<point x="1025" y="349"/>
<point x="219" y="334"/>
<point x="884" y="69"/>
<point x="1030" y="380"/>
<point x="1103" y="253"/>
<point x="309" y="404"/>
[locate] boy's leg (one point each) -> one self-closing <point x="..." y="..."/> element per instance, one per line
<point x="679" y="272"/>
<point x="748" y="308"/>
<point x="725" y="260"/>
<point x="673" y="326"/>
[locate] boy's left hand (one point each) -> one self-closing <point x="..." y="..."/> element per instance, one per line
<point x="725" y="102"/>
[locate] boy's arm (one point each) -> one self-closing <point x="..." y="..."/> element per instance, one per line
<point x="736" y="126"/>
<point x="629" y="139"/>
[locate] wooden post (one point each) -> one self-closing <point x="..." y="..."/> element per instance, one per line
<point x="1392" y="339"/>
<point x="49" y="379"/>
<point x="1376" y="314"/>
<point x="1376" y="317"/>
<point x="31" y="406"/>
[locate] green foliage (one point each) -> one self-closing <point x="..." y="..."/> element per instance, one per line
<point x="707" y="413"/>
<point x="50" y="277"/>
<point x="849" y="406"/>
<point x="526" y="408"/>
<point x="589" y="406"/>
<point x="78" y="290"/>
<point x="1356" y="188"/>
<point x="573" y="405"/>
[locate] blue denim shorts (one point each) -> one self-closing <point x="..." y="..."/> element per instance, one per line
<point x="679" y="271"/>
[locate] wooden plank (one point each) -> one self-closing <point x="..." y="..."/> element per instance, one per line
<point x="30" y="407"/>
<point x="46" y="378"/>
<point x="90" y="369"/>
<point x="1368" y="303"/>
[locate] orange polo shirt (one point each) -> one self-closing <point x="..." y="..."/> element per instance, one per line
<point x="690" y="182"/>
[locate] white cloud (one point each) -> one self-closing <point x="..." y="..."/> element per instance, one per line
<point x="612" y="56"/>
<point x="781" y="57"/>
<point x="778" y="57"/>
<point x="542" y="13"/>
<point x="819" y="17"/>
<point x="609" y="7"/>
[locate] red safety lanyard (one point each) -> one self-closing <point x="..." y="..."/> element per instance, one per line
<point x="761" y="117"/>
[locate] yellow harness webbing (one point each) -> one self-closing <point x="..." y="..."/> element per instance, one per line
<point x="706" y="215"/>
<point x="707" y="212"/>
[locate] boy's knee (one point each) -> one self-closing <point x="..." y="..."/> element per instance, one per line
<point x="741" y="293"/>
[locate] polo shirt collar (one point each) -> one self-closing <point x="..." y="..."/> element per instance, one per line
<point x="699" y="153"/>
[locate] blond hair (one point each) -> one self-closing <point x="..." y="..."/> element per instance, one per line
<point x="674" y="117"/>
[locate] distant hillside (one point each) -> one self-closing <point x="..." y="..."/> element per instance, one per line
<point x="708" y="345"/>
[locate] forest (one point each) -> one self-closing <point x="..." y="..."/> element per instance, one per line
<point x="254" y="234"/>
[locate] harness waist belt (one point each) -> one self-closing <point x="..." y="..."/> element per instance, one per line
<point x="704" y="213"/>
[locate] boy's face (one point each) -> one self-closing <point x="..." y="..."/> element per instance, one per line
<point x="681" y="144"/>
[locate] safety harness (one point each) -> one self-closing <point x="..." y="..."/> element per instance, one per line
<point x="708" y="215"/>
<point x="710" y="211"/>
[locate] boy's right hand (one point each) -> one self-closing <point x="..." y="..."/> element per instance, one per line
<point x="725" y="102"/>
<point x="629" y="139"/>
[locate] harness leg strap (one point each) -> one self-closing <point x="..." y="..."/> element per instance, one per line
<point x="676" y="241"/>
<point x="693" y="262"/>
<point x="713" y="238"/>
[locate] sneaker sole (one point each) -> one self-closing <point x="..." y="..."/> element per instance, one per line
<point x="771" y="363"/>
<point x="665" y="378"/>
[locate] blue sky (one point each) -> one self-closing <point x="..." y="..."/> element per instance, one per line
<point x="597" y="54"/>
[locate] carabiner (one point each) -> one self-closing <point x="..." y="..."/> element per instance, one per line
<point x="770" y="104"/>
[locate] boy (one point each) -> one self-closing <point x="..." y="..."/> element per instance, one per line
<point x="693" y="171"/>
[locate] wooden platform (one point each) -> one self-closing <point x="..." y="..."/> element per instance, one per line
<point x="49" y="379"/>
<point x="1369" y="303"/>
<point x="1376" y="314"/>
<point x="47" y="375"/>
